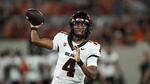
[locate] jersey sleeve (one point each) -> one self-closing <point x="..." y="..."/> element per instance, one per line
<point x="92" y="61"/>
<point x="56" y="41"/>
<point x="93" y="58"/>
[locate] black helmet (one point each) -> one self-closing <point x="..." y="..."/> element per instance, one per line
<point x="81" y="17"/>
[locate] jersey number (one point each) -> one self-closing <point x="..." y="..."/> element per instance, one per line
<point x="69" y="67"/>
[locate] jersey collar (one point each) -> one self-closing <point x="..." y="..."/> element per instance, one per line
<point x="71" y="45"/>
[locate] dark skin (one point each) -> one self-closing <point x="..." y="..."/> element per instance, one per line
<point x="79" y="29"/>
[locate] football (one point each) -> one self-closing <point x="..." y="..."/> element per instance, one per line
<point x="35" y="17"/>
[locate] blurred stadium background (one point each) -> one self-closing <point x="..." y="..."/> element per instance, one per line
<point x="125" y="23"/>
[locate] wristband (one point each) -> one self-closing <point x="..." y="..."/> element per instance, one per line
<point x="80" y="63"/>
<point x="33" y="28"/>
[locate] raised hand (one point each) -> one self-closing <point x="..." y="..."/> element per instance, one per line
<point x="35" y="17"/>
<point x="76" y="54"/>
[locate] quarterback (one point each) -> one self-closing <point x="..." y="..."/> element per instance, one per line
<point x="77" y="55"/>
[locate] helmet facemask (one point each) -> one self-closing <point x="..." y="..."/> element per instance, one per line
<point x="80" y="17"/>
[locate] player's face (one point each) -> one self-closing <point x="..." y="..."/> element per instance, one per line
<point x="79" y="28"/>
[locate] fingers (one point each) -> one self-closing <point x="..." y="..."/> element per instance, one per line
<point x="76" y="53"/>
<point x="76" y="50"/>
<point x="37" y="26"/>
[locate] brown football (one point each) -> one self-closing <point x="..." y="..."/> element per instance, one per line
<point x="35" y="17"/>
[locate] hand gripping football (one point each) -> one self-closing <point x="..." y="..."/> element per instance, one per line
<point x="34" y="16"/>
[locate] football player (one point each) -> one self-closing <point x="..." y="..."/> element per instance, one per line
<point x="77" y="56"/>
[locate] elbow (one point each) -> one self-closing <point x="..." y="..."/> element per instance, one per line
<point x="34" y="41"/>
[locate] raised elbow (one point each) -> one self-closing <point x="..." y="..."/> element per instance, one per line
<point x="34" y="41"/>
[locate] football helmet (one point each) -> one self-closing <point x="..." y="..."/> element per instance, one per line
<point x="81" y="17"/>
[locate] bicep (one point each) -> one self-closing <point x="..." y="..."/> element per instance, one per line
<point x="92" y="68"/>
